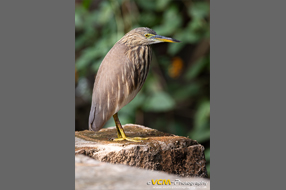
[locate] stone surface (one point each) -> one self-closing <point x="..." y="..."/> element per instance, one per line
<point x="162" y="151"/>
<point x="91" y="174"/>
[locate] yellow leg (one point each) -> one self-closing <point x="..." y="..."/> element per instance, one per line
<point x="121" y="134"/>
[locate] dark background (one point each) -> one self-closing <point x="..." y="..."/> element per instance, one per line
<point x="176" y="95"/>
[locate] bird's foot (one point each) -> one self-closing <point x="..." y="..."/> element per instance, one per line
<point x="133" y="139"/>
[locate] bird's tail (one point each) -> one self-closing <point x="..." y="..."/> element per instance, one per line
<point x="91" y="118"/>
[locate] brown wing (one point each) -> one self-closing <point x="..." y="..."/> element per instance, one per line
<point x="112" y="87"/>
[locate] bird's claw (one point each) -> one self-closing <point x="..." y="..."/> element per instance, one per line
<point x="133" y="139"/>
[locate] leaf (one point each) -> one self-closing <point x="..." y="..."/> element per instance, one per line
<point x="105" y="13"/>
<point x="202" y="115"/>
<point x="80" y="13"/>
<point x="175" y="48"/>
<point x="146" y="4"/>
<point x="162" y="4"/>
<point x="85" y="39"/>
<point x="199" y="9"/>
<point x="84" y="60"/>
<point x="201" y="131"/>
<point x="196" y="68"/>
<point x="160" y="101"/>
<point x="86" y="3"/>
<point x="171" y="15"/>
<point x="187" y="92"/>
<point x="200" y="135"/>
<point x="95" y="65"/>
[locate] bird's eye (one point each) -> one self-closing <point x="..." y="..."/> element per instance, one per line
<point x="147" y="35"/>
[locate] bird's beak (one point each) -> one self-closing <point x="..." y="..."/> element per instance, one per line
<point x="159" y="38"/>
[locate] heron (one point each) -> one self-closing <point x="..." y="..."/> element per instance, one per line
<point x="121" y="76"/>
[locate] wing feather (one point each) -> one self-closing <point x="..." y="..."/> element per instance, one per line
<point x="111" y="87"/>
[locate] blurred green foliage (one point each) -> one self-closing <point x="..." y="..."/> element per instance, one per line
<point x="175" y="96"/>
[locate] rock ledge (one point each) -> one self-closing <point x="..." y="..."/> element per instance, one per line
<point x="163" y="152"/>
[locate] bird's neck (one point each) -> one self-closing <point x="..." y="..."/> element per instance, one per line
<point x="139" y="54"/>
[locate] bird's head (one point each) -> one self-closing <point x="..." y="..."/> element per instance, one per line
<point x="144" y="36"/>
